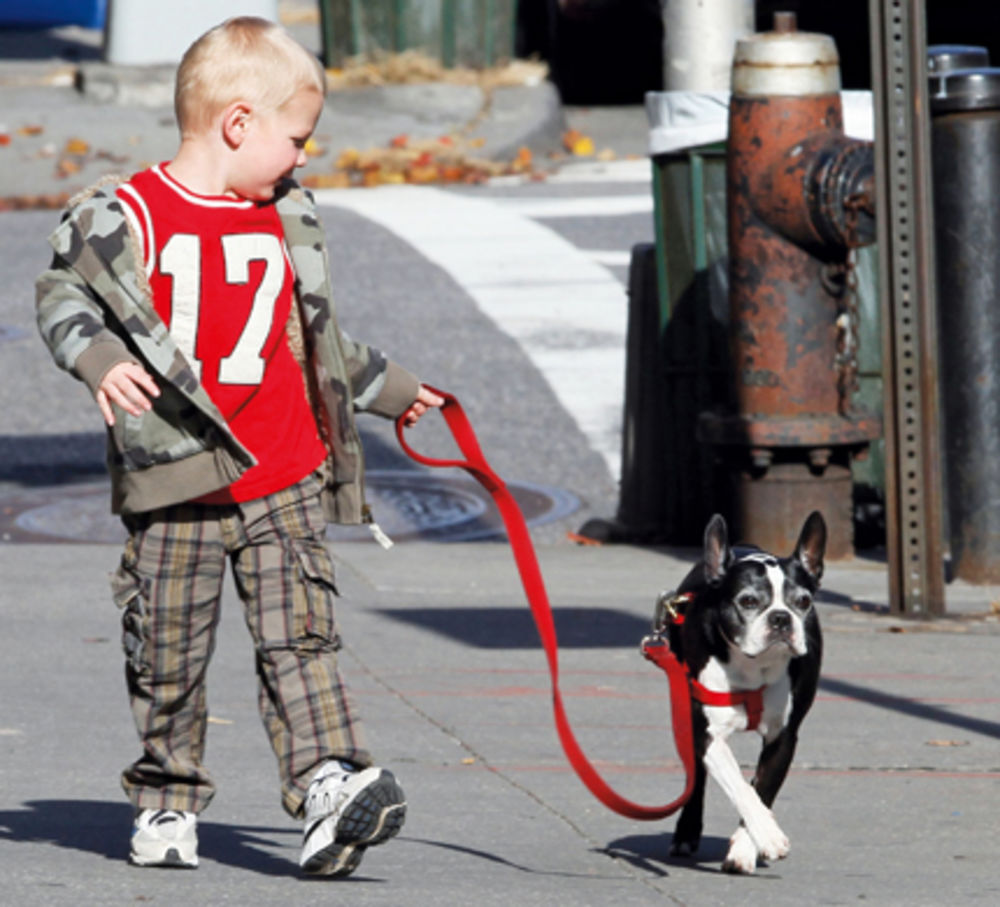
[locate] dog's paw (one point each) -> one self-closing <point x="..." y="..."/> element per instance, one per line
<point x="742" y="856"/>
<point x="772" y="843"/>
<point x="684" y="849"/>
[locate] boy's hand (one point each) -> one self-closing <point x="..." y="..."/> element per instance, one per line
<point x="425" y="400"/>
<point x="130" y="386"/>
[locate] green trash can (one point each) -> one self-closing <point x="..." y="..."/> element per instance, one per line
<point x="474" y="33"/>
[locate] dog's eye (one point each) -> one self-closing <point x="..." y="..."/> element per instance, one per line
<point x="747" y="600"/>
<point x="803" y="600"/>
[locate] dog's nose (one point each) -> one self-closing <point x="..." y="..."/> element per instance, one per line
<point x="779" y="621"/>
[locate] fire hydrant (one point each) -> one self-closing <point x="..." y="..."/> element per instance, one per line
<point x="800" y="197"/>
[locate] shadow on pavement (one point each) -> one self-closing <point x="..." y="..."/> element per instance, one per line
<point x="514" y="628"/>
<point x="494" y="858"/>
<point x="907" y="706"/>
<point x="651" y="853"/>
<point x="102" y="828"/>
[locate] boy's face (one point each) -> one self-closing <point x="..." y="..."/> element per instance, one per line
<point x="275" y="145"/>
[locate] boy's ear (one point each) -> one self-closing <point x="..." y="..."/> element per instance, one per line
<point x="235" y="122"/>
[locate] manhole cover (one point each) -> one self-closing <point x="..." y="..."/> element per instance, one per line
<point x="405" y="503"/>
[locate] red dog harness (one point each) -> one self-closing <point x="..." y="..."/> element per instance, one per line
<point x="751" y="700"/>
<point x="654" y="647"/>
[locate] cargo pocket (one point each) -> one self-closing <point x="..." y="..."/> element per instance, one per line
<point x="130" y="592"/>
<point x="313" y="623"/>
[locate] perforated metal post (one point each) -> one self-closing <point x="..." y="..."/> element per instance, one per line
<point x="907" y="290"/>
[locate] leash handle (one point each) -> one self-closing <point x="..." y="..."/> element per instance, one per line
<point x="475" y="464"/>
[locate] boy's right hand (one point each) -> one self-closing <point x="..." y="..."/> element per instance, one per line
<point x="130" y="386"/>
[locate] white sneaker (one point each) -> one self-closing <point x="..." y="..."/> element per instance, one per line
<point x="164" y="837"/>
<point x="347" y="811"/>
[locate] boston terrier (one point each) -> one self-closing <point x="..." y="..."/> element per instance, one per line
<point x="744" y="625"/>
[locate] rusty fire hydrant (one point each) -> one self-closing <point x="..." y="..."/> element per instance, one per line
<point x="800" y="197"/>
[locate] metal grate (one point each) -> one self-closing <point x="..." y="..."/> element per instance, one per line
<point x="907" y="289"/>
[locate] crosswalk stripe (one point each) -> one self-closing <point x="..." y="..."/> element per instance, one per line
<point x="566" y="311"/>
<point x="595" y="206"/>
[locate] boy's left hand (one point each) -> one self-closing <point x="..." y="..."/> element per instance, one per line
<point x="425" y="400"/>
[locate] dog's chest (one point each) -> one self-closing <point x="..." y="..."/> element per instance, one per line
<point x="733" y="678"/>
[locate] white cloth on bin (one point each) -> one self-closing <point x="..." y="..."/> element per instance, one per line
<point x="688" y="119"/>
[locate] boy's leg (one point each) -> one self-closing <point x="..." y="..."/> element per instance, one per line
<point x="285" y="578"/>
<point x="169" y="584"/>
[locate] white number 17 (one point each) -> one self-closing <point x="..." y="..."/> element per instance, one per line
<point x="181" y="259"/>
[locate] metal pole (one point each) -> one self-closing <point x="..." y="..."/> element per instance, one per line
<point x="699" y="38"/>
<point x="448" y="33"/>
<point x="399" y="25"/>
<point x="329" y="33"/>
<point x="914" y="536"/>
<point x="489" y="42"/>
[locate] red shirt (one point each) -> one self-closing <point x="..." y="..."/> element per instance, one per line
<point x="222" y="283"/>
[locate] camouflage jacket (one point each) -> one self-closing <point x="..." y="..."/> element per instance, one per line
<point x="95" y="310"/>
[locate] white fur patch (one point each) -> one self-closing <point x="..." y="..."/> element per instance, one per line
<point x="760" y="637"/>
<point x="759" y="821"/>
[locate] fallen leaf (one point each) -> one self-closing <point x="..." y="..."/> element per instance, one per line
<point x="947" y="742"/>
<point x="31" y="130"/>
<point x="422" y="175"/>
<point x="522" y="160"/>
<point x="577" y="143"/>
<point x="313" y="148"/>
<point x="452" y="173"/>
<point x="76" y="146"/>
<point x="399" y="141"/>
<point x="336" y="180"/>
<point x="347" y="158"/>
<point x="4" y="138"/>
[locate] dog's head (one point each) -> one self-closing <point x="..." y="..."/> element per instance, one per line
<point x="764" y="600"/>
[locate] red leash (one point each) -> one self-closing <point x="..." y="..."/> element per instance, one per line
<point x="654" y="648"/>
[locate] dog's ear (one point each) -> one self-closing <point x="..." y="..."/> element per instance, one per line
<point x="812" y="544"/>
<point x="718" y="555"/>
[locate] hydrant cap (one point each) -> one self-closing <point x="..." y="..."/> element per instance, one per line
<point x="785" y="62"/>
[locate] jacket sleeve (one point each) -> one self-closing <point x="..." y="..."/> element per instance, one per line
<point x="72" y="323"/>
<point x="378" y="385"/>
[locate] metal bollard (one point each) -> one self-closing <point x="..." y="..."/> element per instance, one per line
<point x="965" y="148"/>
<point x="800" y="197"/>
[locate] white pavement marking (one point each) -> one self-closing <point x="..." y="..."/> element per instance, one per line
<point x="567" y="312"/>
<point x="593" y="206"/>
<point x="610" y="258"/>
<point x="626" y="170"/>
<point x="636" y="170"/>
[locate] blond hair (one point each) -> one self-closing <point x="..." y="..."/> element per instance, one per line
<point x="244" y="58"/>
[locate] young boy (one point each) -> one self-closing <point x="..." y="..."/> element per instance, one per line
<point x="194" y="300"/>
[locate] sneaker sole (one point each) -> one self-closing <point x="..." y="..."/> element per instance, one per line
<point x="172" y="859"/>
<point x="375" y="816"/>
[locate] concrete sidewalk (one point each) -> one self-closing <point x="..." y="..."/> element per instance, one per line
<point x="891" y="800"/>
<point x="67" y="118"/>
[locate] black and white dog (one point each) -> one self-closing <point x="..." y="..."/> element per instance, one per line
<point x="750" y="633"/>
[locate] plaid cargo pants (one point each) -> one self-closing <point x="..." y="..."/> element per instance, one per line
<point x="169" y="585"/>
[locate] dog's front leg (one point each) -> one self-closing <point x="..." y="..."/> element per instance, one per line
<point x="759" y="833"/>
